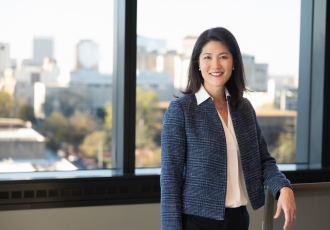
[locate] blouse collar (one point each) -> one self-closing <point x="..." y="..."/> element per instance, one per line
<point x="202" y="95"/>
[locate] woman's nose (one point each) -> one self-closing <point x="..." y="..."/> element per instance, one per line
<point x="216" y="63"/>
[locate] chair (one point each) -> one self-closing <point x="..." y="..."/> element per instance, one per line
<point x="313" y="208"/>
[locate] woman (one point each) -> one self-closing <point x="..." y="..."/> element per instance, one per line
<point x="214" y="157"/>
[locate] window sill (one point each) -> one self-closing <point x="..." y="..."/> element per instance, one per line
<point x="78" y="188"/>
<point x="74" y="174"/>
<point x="103" y="187"/>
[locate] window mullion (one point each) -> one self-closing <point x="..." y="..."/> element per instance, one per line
<point x="124" y="86"/>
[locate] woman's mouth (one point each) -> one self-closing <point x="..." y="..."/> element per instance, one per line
<point x="216" y="74"/>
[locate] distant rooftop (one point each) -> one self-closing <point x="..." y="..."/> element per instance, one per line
<point x="151" y="77"/>
<point x="275" y="113"/>
<point x="191" y="37"/>
<point x="151" y="44"/>
<point x="21" y="134"/>
<point x="89" y="76"/>
<point x="34" y="165"/>
<point x="11" y="123"/>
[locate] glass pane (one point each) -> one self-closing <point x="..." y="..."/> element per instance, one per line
<point x="56" y="79"/>
<point x="268" y="34"/>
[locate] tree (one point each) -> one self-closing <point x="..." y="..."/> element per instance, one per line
<point x="100" y="140"/>
<point x="108" y="124"/>
<point x="91" y="143"/>
<point x="55" y="128"/>
<point x="285" y="152"/>
<point x="8" y="104"/>
<point x="100" y="112"/>
<point x="148" y="128"/>
<point x="81" y="125"/>
<point x="67" y="102"/>
<point x="147" y="124"/>
<point x="26" y="113"/>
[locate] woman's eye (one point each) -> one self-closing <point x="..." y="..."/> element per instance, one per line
<point x="223" y="57"/>
<point x="207" y="57"/>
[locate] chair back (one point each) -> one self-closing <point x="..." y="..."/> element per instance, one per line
<point x="313" y="208"/>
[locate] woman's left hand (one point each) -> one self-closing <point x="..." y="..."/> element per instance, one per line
<point x="287" y="203"/>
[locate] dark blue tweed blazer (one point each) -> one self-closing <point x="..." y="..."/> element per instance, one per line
<point x="194" y="160"/>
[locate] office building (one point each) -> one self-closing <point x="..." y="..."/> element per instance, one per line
<point x="87" y="55"/>
<point x="5" y="61"/>
<point x="256" y="74"/>
<point x="43" y="47"/>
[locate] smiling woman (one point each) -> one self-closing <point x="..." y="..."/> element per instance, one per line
<point x="208" y="152"/>
<point x="163" y="54"/>
<point x="216" y="65"/>
<point x="108" y="187"/>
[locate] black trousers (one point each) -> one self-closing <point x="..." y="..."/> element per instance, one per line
<point x="235" y="219"/>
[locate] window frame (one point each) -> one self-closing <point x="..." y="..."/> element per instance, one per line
<point x="124" y="82"/>
<point x="124" y="186"/>
<point x="311" y="90"/>
<point x="326" y="96"/>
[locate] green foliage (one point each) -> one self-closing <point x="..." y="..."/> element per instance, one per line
<point x="59" y="129"/>
<point x="56" y="129"/>
<point x="148" y="157"/>
<point x="285" y="151"/>
<point x="148" y="128"/>
<point x="26" y="113"/>
<point x="149" y="119"/>
<point x="100" y="112"/>
<point x="90" y="144"/>
<point x="68" y="102"/>
<point x="108" y="116"/>
<point x="108" y="124"/>
<point x="80" y="126"/>
<point x="147" y="122"/>
<point x="8" y="104"/>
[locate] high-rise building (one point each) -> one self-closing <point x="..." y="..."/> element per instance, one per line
<point x="4" y="57"/>
<point x="182" y="62"/>
<point x="7" y="80"/>
<point x="151" y="44"/>
<point x="150" y="54"/>
<point x="188" y="46"/>
<point x="256" y="73"/>
<point x="87" y="55"/>
<point x="42" y="48"/>
<point x="41" y="68"/>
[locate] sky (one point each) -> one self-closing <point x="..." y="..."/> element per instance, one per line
<point x="66" y="21"/>
<point x="267" y="29"/>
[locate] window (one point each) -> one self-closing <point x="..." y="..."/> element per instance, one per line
<point x="127" y="185"/>
<point x="55" y="61"/>
<point x="270" y="50"/>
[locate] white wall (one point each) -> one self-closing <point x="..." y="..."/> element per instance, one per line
<point x="120" y="217"/>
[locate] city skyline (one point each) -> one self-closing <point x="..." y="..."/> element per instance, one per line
<point x="80" y="32"/>
<point x="282" y="59"/>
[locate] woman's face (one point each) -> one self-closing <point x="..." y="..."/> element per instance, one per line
<point x="216" y="65"/>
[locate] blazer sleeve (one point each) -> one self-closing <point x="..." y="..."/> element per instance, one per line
<point x="271" y="174"/>
<point x="173" y="143"/>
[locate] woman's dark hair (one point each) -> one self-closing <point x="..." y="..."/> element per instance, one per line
<point x="236" y="83"/>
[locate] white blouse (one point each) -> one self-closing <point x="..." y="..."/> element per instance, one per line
<point x="236" y="190"/>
